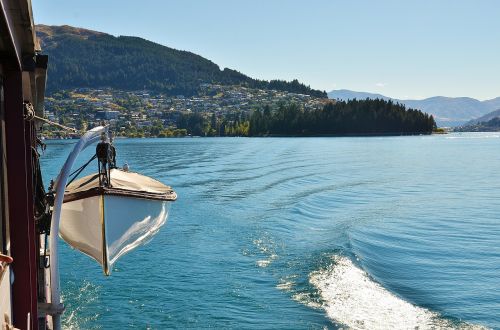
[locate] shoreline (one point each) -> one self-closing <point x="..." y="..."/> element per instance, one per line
<point x="263" y="136"/>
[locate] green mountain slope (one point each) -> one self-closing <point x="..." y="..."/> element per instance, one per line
<point x="84" y="58"/>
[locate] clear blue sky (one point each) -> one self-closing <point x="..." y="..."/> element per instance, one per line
<point x="404" y="49"/>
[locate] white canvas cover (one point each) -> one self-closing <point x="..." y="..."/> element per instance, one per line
<point x="122" y="183"/>
<point x="106" y="223"/>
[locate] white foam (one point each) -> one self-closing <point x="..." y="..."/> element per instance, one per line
<point x="266" y="262"/>
<point x="87" y="294"/>
<point x="263" y="263"/>
<point x="306" y="299"/>
<point x="350" y="297"/>
<point x="285" y="286"/>
<point x="266" y="247"/>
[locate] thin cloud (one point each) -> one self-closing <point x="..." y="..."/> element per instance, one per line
<point x="380" y="84"/>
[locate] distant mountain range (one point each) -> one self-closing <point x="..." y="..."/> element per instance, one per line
<point x="84" y="58"/>
<point x="492" y="125"/>
<point x="487" y="117"/>
<point x="487" y="123"/>
<point x="447" y="111"/>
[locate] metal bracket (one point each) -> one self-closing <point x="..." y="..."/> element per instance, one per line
<point x="29" y="111"/>
<point x="45" y="309"/>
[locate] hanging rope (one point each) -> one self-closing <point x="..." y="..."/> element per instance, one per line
<point x="77" y="172"/>
<point x="56" y="124"/>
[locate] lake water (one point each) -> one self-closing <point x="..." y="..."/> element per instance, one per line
<point x="304" y="233"/>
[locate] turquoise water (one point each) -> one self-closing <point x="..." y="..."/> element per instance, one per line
<point x="304" y="233"/>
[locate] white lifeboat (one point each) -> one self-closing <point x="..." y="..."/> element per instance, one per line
<point x="107" y="221"/>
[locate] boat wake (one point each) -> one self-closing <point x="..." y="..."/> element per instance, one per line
<point x="351" y="298"/>
<point x="266" y="248"/>
<point x="78" y="305"/>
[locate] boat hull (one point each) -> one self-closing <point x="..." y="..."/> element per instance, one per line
<point x="105" y="227"/>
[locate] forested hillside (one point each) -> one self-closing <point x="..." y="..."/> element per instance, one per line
<point x="84" y="58"/>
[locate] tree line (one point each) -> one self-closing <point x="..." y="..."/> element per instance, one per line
<point x="354" y="117"/>
<point x="342" y="118"/>
<point x="232" y="124"/>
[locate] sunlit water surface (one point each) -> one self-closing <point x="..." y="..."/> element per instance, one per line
<point x="364" y="233"/>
